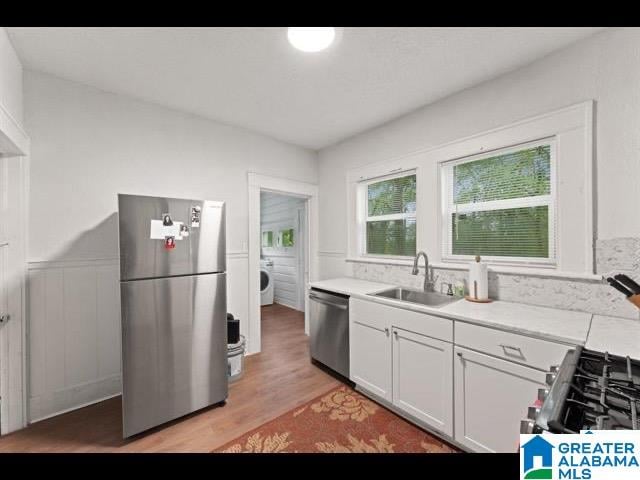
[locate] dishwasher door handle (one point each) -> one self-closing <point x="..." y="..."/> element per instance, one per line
<point x="326" y="302"/>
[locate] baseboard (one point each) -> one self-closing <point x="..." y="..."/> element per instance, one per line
<point x="51" y="404"/>
<point x="61" y="412"/>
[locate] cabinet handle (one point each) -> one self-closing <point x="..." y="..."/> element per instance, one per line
<point x="4" y="318"/>
<point x="510" y="347"/>
<point x="395" y="332"/>
<point x="386" y="330"/>
<point x="459" y="354"/>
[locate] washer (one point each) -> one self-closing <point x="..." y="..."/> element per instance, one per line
<point x="266" y="282"/>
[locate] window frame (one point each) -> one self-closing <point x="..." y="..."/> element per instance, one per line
<point x="363" y="213"/>
<point x="448" y="208"/>
<point x="262" y="241"/>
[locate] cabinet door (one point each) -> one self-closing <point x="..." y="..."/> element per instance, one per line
<point x="491" y="397"/>
<point x="370" y="350"/>
<point x="423" y="378"/>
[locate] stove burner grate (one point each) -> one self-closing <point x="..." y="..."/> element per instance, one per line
<point x="604" y="394"/>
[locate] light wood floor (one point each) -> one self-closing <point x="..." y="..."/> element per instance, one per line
<point x="275" y="381"/>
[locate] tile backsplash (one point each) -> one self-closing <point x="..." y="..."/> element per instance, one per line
<point x="618" y="255"/>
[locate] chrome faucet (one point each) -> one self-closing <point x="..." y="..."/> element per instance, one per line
<point x="429" y="282"/>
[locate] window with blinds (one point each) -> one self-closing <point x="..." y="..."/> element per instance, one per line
<point x="501" y="205"/>
<point x="390" y="219"/>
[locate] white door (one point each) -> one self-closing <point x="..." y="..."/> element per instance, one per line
<point x="370" y="349"/>
<point x="491" y="397"/>
<point x="423" y="378"/>
<point x="4" y="339"/>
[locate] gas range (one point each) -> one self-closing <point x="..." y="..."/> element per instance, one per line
<point x="590" y="390"/>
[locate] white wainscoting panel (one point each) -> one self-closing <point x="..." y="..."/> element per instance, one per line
<point x="74" y="334"/>
<point x="285" y="276"/>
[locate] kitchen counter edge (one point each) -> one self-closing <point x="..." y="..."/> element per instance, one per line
<point x="363" y="289"/>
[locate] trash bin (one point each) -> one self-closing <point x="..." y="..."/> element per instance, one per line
<point x="235" y="354"/>
<point x="233" y="329"/>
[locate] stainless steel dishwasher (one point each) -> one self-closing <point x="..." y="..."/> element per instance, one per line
<point x="329" y="329"/>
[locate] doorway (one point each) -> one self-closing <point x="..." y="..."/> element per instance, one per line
<point x="13" y="385"/>
<point x="282" y="250"/>
<point x="282" y="222"/>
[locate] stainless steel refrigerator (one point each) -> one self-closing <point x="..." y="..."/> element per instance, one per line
<point x="173" y="300"/>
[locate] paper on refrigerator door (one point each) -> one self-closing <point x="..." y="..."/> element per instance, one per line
<point x="159" y="231"/>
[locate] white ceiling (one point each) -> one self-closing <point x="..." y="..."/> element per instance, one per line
<point x="252" y="78"/>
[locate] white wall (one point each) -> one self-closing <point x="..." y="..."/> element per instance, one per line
<point x="88" y="146"/>
<point x="10" y="79"/>
<point x="279" y="212"/>
<point x="605" y="68"/>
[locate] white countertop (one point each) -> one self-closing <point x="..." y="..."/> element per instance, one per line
<point x="620" y="336"/>
<point x="550" y="323"/>
<point x="542" y="322"/>
<point x="350" y="286"/>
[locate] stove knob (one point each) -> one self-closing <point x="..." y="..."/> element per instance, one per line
<point x="532" y="412"/>
<point x="542" y="393"/>
<point x="526" y="426"/>
<point x="551" y="377"/>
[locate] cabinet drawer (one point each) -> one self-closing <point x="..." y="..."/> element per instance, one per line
<point x="382" y="316"/>
<point x="530" y="351"/>
<point x="423" y="323"/>
<point x="368" y="313"/>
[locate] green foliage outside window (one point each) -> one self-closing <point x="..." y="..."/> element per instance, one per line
<point x="397" y="195"/>
<point x="513" y="232"/>
<point x="287" y="237"/>
<point x="397" y="236"/>
<point x="525" y="173"/>
<point x="392" y="237"/>
<point x="521" y="231"/>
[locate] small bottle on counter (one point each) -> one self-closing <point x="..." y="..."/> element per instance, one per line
<point x="458" y="289"/>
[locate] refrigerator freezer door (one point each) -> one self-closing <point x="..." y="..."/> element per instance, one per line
<point x="174" y="348"/>
<point x="202" y="250"/>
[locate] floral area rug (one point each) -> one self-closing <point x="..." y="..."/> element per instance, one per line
<point x="341" y="421"/>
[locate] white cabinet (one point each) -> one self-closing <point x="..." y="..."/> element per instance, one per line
<point x="410" y="370"/>
<point x="423" y="378"/>
<point x="369" y="349"/>
<point x="491" y="397"/>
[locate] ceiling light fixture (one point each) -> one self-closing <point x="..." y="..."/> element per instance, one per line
<point x="311" y="39"/>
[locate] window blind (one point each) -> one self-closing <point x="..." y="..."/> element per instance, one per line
<point x="501" y="205"/>
<point x="391" y="216"/>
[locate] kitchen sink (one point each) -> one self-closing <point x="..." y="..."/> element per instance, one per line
<point x="431" y="299"/>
